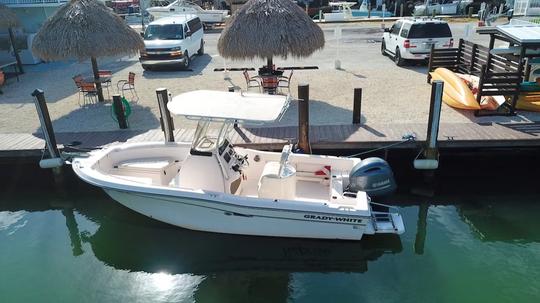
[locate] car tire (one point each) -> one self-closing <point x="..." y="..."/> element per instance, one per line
<point x="383" y="48"/>
<point x="397" y="58"/>
<point x="201" y="49"/>
<point x="187" y="61"/>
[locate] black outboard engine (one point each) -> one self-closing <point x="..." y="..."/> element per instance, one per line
<point x="372" y="175"/>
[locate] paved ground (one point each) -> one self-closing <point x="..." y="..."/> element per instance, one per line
<point x="391" y="94"/>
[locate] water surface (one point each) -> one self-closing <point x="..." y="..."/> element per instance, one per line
<point x="71" y="243"/>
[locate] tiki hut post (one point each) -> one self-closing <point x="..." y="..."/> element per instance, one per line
<point x="270" y="28"/>
<point x="86" y="29"/>
<point x="95" y="70"/>
<point x="9" y="20"/>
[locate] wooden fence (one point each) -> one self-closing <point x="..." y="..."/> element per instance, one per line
<point x="500" y="74"/>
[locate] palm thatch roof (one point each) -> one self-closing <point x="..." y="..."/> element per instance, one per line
<point x="270" y="28"/>
<point x="85" y="29"/>
<point x="8" y="18"/>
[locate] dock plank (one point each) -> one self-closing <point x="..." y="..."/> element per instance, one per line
<point x="336" y="137"/>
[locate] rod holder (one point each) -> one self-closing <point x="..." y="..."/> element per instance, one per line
<point x="165" y="120"/>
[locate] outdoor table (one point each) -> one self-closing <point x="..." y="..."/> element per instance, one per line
<point x="4" y="64"/>
<point x="269" y="79"/>
<point x="100" y="81"/>
<point x="94" y="80"/>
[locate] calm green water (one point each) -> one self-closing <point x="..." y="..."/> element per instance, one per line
<point x="72" y="243"/>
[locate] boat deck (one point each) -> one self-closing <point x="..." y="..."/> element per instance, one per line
<point x="306" y="191"/>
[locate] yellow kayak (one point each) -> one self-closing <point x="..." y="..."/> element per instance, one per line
<point x="533" y="106"/>
<point x="456" y="92"/>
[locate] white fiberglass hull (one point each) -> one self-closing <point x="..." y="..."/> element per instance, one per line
<point x="212" y="216"/>
<point x="147" y="178"/>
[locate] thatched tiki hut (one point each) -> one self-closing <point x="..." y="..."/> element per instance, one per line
<point x="9" y="20"/>
<point x="85" y="29"/>
<point x="270" y="28"/>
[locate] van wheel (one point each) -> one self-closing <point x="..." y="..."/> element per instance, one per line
<point x="383" y="48"/>
<point x="397" y="58"/>
<point x="187" y="61"/>
<point x="201" y="49"/>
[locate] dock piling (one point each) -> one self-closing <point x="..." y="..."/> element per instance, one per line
<point x="48" y="131"/>
<point x="303" y="117"/>
<point x="119" y="111"/>
<point x="401" y="8"/>
<point x="357" y="106"/>
<point x="165" y="119"/>
<point x="431" y="152"/>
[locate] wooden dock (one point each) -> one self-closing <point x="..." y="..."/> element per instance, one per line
<point x="322" y="137"/>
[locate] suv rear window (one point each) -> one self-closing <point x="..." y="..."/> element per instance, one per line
<point x="429" y="30"/>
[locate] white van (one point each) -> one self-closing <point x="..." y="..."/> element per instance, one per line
<point x="172" y="41"/>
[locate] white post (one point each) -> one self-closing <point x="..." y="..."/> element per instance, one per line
<point x="467" y="30"/>
<point x="225" y="71"/>
<point x="383" y="11"/>
<point x="337" y="35"/>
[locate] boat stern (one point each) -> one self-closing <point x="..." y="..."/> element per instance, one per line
<point x="392" y="223"/>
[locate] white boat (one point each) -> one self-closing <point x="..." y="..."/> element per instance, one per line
<point x="448" y="7"/>
<point x="210" y="185"/>
<point x="341" y="11"/>
<point x="186" y="7"/>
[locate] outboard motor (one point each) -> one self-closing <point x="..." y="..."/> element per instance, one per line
<point x="372" y="175"/>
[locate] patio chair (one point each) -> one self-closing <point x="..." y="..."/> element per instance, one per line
<point x="2" y="80"/>
<point x="285" y="82"/>
<point x="252" y="81"/>
<point x="89" y="92"/>
<point x="129" y="84"/>
<point x="106" y="84"/>
<point x="78" y="79"/>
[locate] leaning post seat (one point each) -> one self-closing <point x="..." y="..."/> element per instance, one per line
<point x="278" y="180"/>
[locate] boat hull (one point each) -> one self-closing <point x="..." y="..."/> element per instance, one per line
<point x="212" y="216"/>
<point x="217" y="17"/>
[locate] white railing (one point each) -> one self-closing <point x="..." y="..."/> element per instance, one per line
<point x="525" y="7"/>
<point x="31" y="2"/>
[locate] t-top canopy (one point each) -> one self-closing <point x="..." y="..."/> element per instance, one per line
<point x="218" y="105"/>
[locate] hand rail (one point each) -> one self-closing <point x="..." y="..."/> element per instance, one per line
<point x="31" y="2"/>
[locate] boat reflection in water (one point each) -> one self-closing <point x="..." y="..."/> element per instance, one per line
<point x="154" y="247"/>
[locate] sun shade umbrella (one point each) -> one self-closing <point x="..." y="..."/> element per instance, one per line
<point x="270" y="28"/>
<point x="85" y="29"/>
<point x="9" y="20"/>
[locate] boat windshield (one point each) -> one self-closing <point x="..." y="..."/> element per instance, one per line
<point x="164" y="32"/>
<point x="209" y="136"/>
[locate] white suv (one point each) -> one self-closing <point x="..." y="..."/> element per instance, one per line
<point x="413" y="38"/>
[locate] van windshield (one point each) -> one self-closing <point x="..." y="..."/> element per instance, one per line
<point x="164" y="32"/>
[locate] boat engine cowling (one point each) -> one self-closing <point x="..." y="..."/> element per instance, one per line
<point x="372" y="175"/>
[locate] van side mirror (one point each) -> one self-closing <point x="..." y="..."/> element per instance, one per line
<point x="142" y="34"/>
<point x="188" y="33"/>
<point x="387" y="30"/>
